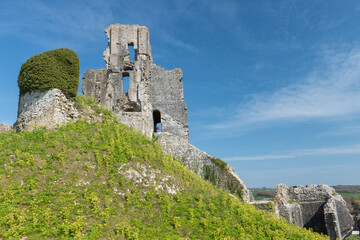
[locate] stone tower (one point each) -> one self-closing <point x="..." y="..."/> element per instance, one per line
<point x="153" y="98"/>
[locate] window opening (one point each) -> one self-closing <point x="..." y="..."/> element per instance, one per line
<point x="157" y="121"/>
<point x="137" y="93"/>
<point x="131" y="51"/>
<point x="158" y="127"/>
<point x="126" y="83"/>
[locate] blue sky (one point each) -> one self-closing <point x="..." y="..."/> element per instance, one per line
<point x="272" y="86"/>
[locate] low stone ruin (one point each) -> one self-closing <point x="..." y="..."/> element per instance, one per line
<point x="4" y="127"/>
<point x="44" y="108"/>
<point x="317" y="207"/>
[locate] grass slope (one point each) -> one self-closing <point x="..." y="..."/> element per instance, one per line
<point x="69" y="183"/>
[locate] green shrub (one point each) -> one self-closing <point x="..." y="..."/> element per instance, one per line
<point x="58" y="68"/>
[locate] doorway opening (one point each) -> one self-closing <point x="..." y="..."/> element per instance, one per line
<point x="157" y="120"/>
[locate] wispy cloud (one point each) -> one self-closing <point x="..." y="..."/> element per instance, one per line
<point x="329" y="91"/>
<point x="344" y="130"/>
<point x="178" y="43"/>
<point x="261" y="157"/>
<point x="343" y="150"/>
<point x="62" y="21"/>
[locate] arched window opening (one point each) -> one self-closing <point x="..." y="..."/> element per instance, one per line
<point x="131" y="52"/>
<point x="157" y="121"/>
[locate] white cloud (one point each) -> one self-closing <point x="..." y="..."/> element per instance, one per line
<point x="331" y="90"/>
<point x="48" y="22"/>
<point x="262" y="157"/>
<point x="344" y="130"/>
<point x="343" y="150"/>
<point x="178" y="43"/>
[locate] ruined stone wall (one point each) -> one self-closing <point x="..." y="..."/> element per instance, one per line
<point x="132" y="105"/>
<point x="167" y="96"/>
<point x="44" y="108"/>
<point x="5" y="127"/>
<point x="118" y="64"/>
<point x="317" y="207"/>
<point x="150" y="87"/>
<point x="93" y="84"/>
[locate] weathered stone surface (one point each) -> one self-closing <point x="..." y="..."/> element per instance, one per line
<point x="4" y="127"/>
<point x="168" y="98"/>
<point x="223" y="176"/>
<point x="44" y="108"/>
<point x="93" y="87"/>
<point x="337" y="217"/>
<point x="315" y="206"/>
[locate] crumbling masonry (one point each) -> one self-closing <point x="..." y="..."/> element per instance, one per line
<point x="155" y="96"/>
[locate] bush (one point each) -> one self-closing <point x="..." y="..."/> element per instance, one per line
<point x="58" y="68"/>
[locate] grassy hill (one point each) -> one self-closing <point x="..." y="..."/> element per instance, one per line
<point x="103" y="180"/>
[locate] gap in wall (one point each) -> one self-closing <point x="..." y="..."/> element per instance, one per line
<point x="131" y="52"/>
<point x="126" y="84"/>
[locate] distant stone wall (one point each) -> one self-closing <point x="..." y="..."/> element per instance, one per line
<point x="4" y="127"/>
<point x="317" y="207"/>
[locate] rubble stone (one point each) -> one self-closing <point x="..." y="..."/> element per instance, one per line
<point x="315" y="206"/>
<point x="4" y="127"/>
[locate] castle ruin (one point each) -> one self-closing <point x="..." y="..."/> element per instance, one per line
<point x="150" y="99"/>
<point x="141" y="94"/>
<point x="153" y="102"/>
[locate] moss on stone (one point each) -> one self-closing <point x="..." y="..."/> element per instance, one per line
<point x="57" y="68"/>
<point x="218" y="162"/>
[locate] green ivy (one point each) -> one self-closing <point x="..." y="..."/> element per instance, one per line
<point x="57" y="68"/>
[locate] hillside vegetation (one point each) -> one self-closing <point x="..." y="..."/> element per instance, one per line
<point x="103" y="180"/>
